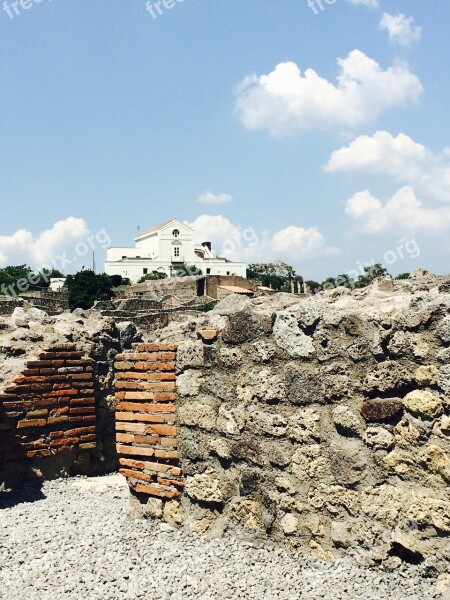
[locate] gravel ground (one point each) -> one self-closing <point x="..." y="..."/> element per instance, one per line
<point x="73" y="542"/>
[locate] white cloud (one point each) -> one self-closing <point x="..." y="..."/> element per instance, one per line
<point x="210" y="198"/>
<point x="298" y="242"/>
<point x="403" y="213"/>
<point x="232" y="241"/>
<point x="399" y="157"/>
<point x="216" y="229"/>
<point x="381" y="152"/>
<point x="401" y="29"/>
<point x="23" y="247"/>
<point x="369" y="3"/>
<point x="285" y="100"/>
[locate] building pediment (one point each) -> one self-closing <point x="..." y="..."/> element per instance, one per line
<point x="168" y="226"/>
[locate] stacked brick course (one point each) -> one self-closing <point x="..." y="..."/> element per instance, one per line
<point x="50" y="408"/>
<point x="146" y="420"/>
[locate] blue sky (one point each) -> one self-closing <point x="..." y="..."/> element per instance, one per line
<point x="112" y="119"/>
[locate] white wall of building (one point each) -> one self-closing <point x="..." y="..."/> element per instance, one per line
<point x="57" y="283"/>
<point x="165" y="249"/>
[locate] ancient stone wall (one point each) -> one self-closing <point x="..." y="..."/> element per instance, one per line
<point x="146" y="423"/>
<point x="184" y="288"/>
<point x="46" y="412"/>
<point x="214" y="281"/>
<point x="8" y="305"/>
<point x="322" y="423"/>
<point x="138" y="304"/>
<point x="53" y="303"/>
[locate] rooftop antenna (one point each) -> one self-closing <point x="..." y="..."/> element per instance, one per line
<point x="93" y="260"/>
<point x="138" y="228"/>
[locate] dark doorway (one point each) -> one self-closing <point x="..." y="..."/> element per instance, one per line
<point x="200" y="287"/>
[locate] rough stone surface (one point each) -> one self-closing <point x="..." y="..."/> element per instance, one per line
<point x="427" y="375"/>
<point x="381" y="409"/>
<point x="198" y="414"/>
<point x="242" y="327"/>
<point x="379" y="438"/>
<point x="190" y="355"/>
<point x="322" y="430"/>
<point x="266" y="428"/>
<point x="188" y="383"/>
<point x="444" y="379"/>
<point x="290" y="337"/>
<point x="424" y="403"/>
<point x="388" y="376"/>
<point x="347" y="421"/>
<point x="289" y="524"/>
<point x="205" y="488"/>
<point x="443" y="329"/>
<point x="437" y="461"/>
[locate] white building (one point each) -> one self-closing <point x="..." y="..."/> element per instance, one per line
<point x="57" y="283"/>
<point x="168" y="248"/>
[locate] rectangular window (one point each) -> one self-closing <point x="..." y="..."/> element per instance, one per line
<point x="145" y="271"/>
<point x="176" y="251"/>
<point x="208" y="271"/>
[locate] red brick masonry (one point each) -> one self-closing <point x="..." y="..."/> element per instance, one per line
<point x="50" y="408"/>
<point x="146" y="432"/>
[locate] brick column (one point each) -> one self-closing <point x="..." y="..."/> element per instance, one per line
<point x="146" y="430"/>
<point x="50" y="408"/>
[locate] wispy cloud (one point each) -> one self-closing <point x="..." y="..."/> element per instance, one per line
<point x="369" y="3"/>
<point x="210" y="198"/>
<point x="401" y="29"/>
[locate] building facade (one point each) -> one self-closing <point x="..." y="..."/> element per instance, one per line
<point x="170" y="248"/>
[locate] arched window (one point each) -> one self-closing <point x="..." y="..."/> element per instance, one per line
<point x="177" y="252"/>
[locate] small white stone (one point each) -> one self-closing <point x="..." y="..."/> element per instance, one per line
<point x="289" y="524"/>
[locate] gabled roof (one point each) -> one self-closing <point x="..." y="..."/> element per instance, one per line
<point x="161" y="226"/>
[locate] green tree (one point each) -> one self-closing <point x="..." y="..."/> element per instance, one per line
<point x="16" y="279"/>
<point x="154" y="275"/>
<point x="45" y="275"/>
<point x="116" y="280"/>
<point x="21" y="278"/>
<point x="314" y="286"/>
<point x="277" y="275"/>
<point x="86" y="287"/>
<point x="206" y="306"/>
<point x="403" y="276"/>
<point x="371" y="272"/>
<point x="343" y="280"/>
